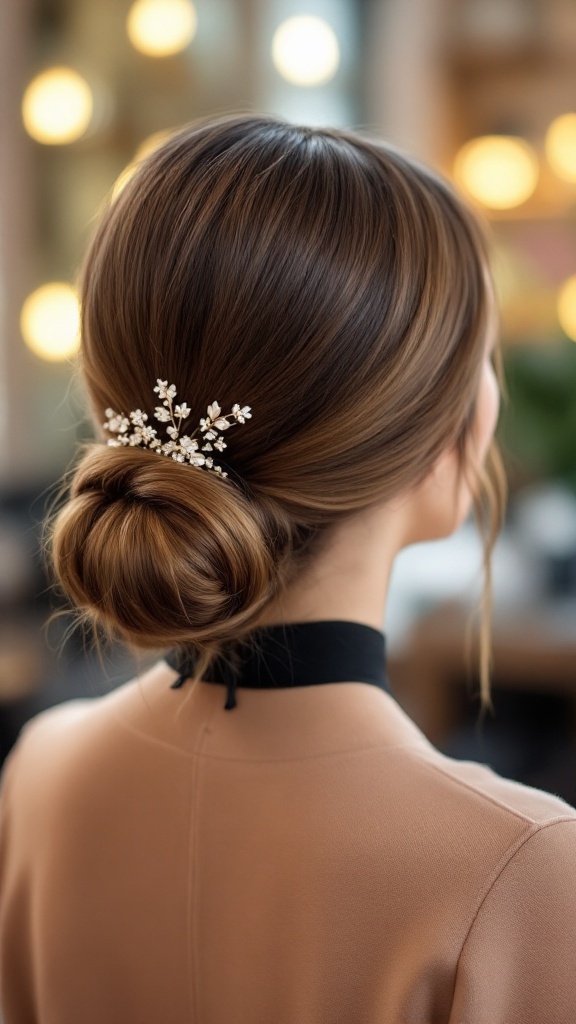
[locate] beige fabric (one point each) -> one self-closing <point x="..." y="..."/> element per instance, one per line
<point x="305" y="858"/>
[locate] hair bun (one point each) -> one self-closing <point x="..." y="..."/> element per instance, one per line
<point x="160" y="553"/>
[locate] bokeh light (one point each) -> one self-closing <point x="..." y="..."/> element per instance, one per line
<point x="123" y="179"/>
<point x="499" y="171"/>
<point x="567" y="307"/>
<point x="560" y="146"/>
<point x="305" y="50"/>
<point x="151" y="143"/>
<point x="146" y="147"/>
<point x="57" y="106"/>
<point x="160" y="28"/>
<point x="50" y="321"/>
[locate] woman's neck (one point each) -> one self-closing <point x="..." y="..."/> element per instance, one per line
<point x="348" y="580"/>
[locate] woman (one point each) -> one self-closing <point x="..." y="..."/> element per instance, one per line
<point x="254" y="831"/>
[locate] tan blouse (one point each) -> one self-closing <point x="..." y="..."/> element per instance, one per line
<point x="309" y="858"/>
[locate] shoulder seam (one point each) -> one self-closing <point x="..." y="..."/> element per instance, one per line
<point x="501" y="867"/>
<point x="494" y="800"/>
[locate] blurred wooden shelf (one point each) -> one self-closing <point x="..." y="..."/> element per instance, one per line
<point x="534" y="649"/>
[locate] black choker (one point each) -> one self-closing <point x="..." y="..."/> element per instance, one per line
<point x="295" y="654"/>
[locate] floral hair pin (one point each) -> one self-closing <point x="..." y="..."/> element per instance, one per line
<point x="133" y="430"/>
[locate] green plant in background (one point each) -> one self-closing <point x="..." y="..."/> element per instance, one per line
<point x="537" y="428"/>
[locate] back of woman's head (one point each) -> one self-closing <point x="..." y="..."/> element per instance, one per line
<point x="332" y="284"/>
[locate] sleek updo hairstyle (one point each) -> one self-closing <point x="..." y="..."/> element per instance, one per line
<point x="335" y="286"/>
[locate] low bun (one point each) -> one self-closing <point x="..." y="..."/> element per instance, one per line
<point x="159" y="553"/>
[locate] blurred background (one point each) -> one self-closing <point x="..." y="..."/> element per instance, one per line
<point x="485" y="91"/>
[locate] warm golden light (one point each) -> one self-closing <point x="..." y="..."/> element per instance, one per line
<point x="50" y="321"/>
<point x="567" y="307"/>
<point x="151" y="143"/>
<point x="305" y="50"/>
<point x="561" y="146"/>
<point x="499" y="171"/>
<point x="123" y="179"/>
<point x="160" y="28"/>
<point x="146" y="147"/>
<point x="57" y="106"/>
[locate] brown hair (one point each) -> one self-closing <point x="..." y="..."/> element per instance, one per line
<point x="325" y="279"/>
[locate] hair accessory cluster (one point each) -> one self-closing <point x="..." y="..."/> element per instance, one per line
<point x="133" y="430"/>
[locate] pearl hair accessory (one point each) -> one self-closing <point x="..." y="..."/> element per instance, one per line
<point x="181" y="449"/>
